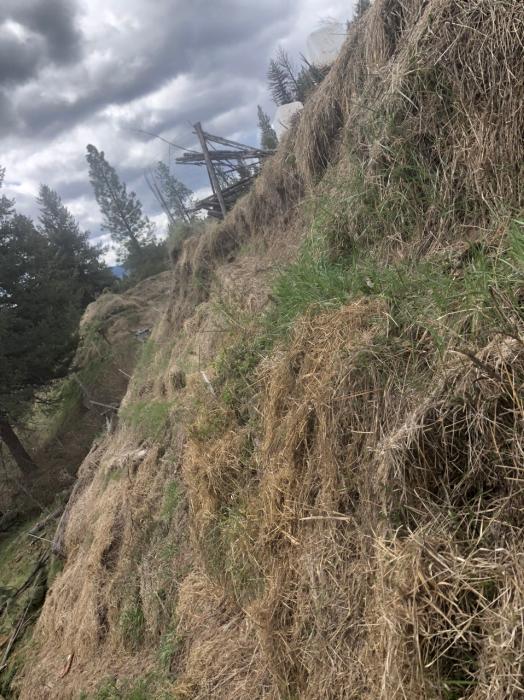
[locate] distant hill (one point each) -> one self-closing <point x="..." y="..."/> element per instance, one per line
<point x="118" y="271"/>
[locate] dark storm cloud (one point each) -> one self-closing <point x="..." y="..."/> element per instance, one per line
<point x="19" y="59"/>
<point x="212" y="97"/>
<point x="231" y="34"/>
<point x="7" y="116"/>
<point x="71" y="189"/>
<point x="47" y="34"/>
<point x="55" y="20"/>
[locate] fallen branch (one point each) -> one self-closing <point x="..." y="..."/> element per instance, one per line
<point x="41" y="525"/>
<point x="87" y="400"/>
<point x="67" y="666"/>
<point x="18" y="629"/>
<point x="42" y="539"/>
<point x="42" y="561"/>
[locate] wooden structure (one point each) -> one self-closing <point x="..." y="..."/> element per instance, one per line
<point x="231" y="169"/>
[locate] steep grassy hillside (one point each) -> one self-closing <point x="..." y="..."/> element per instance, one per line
<point x="314" y="487"/>
<point x="62" y="428"/>
<point x="77" y="412"/>
<point x="107" y="354"/>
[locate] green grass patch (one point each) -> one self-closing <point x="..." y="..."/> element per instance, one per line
<point x="403" y="191"/>
<point x="146" y="355"/>
<point x="110" y="475"/>
<point x="170" y="644"/>
<point x="152" y="686"/>
<point x="210" y="419"/>
<point x="458" y="302"/>
<point x="172" y="498"/>
<point x="18" y="557"/>
<point x="314" y="282"/>
<point x="56" y="566"/>
<point x="228" y="549"/>
<point x="132" y="625"/>
<point x="152" y="361"/>
<point x="64" y="399"/>
<point x="441" y="294"/>
<point x="148" y="418"/>
<point x="234" y="370"/>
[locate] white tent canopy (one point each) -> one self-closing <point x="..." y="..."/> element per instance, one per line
<point x="284" y="117"/>
<point x="324" y="44"/>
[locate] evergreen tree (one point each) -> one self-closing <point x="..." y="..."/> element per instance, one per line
<point x="38" y="321"/>
<point x="72" y="257"/>
<point x="308" y="78"/>
<point x="152" y="258"/>
<point x="280" y="86"/>
<point x="140" y="252"/>
<point x="268" y="137"/>
<point x="122" y="211"/>
<point x="306" y="84"/>
<point x="286" y="85"/>
<point x="178" y="197"/>
<point x="6" y="205"/>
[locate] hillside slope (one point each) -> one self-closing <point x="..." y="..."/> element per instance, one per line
<point x="313" y="490"/>
<point x="78" y="410"/>
<point x="109" y="344"/>
<point x="61" y="428"/>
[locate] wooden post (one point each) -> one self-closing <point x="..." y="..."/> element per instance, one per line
<point x="211" y="168"/>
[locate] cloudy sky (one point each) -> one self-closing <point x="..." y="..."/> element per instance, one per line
<point x="74" y="72"/>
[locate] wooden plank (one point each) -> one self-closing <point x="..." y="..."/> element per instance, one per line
<point x="220" y="156"/>
<point x="210" y="168"/>
<point x="235" y="144"/>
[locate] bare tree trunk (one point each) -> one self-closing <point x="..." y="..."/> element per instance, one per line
<point x="15" y="447"/>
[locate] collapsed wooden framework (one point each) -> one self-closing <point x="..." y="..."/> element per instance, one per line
<point x="231" y="169"/>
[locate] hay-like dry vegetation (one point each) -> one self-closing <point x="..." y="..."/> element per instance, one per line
<point x="319" y="496"/>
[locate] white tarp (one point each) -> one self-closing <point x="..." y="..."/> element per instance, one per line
<point x="284" y="117"/>
<point x="324" y="44"/>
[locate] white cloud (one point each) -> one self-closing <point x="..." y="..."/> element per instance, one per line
<point x="158" y="65"/>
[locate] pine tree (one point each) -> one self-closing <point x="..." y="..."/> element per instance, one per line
<point x="178" y="197"/>
<point x="140" y="252"/>
<point x="72" y="255"/>
<point x="306" y="84"/>
<point x="280" y="87"/>
<point x="6" y="205"/>
<point x="122" y="211"/>
<point x="38" y="322"/>
<point x="268" y="137"/>
<point x="286" y="85"/>
<point x="309" y="77"/>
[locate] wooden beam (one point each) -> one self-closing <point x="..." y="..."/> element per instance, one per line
<point x="210" y="168"/>
<point x="222" y="155"/>
<point x="230" y="194"/>
<point x="236" y="144"/>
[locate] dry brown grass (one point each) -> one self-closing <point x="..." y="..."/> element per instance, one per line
<point x="451" y="575"/>
<point x="354" y="533"/>
<point x="284" y="512"/>
<point x="120" y="581"/>
<point x="381" y="531"/>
